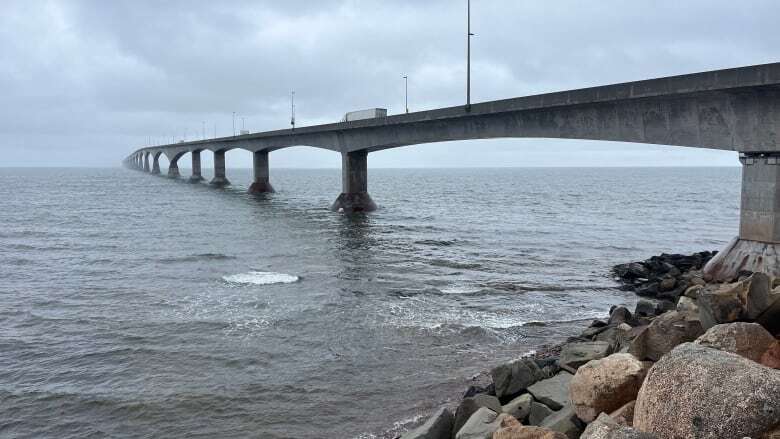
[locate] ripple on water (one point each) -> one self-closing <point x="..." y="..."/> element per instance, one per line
<point x="260" y="278"/>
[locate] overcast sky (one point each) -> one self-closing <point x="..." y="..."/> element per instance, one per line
<point x="83" y="83"/>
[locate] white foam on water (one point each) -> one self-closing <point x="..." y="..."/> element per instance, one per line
<point x="459" y="289"/>
<point x="261" y="278"/>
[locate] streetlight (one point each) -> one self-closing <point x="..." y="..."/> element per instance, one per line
<point x="243" y="123"/>
<point x="406" y="93"/>
<point x="468" y="56"/>
<point x="234" y="124"/>
<point x="292" y="110"/>
<point x="204" y="129"/>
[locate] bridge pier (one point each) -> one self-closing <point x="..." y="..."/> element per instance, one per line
<point x="219" y="170"/>
<point x="173" y="168"/>
<point x="156" y="164"/>
<point x="354" y="184"/>
<point x="146" y="162"/>
<point x="262" y="182"/>
<point x="757" y="248"/>
<point x="196" y="174"/>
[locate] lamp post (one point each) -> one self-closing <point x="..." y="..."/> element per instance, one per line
<point x="406" y="93"/>
<point x="234" y="124"/>
<point x="468" y="56"/>
<point x="292" y="110"/>
<point x="204" y="129"/>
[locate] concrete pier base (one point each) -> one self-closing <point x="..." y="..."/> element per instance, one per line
<point x="262" y="182"/>
<point x="146" y="162"/>
<point x="354" y="184"/>
<point x="196" y="176"/>
<point x="173" y="170"/>
<point x="219" y="170"/>
<point x="156" y="164"/>
<point x="757" y="248"/>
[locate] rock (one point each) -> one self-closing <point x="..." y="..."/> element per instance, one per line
<point x="667" y="283"/>
<point x="552" y="392"/>
<point x="538" y="413"/>
<point x="771" y="357"/>
<point x="519" y="407"/>
<point x="481" y="425"/>
<point x="624" y="415"/>
<point x="604" y="427"/>
<point x="644" y="308"/>
<point x="686" y="305"/>
<point x="605" y="385"/>
<point x="469" y="406"/>
<point x="438" y="426"/>
<point x="563" y="421"/>
<point x="704" y="393"/>
<point x="649" y="289"/>
<point x="749" y="340"/>
<point x="632" y="270"/>
<point x="514" y="377"/>
<point x="619" y="315"/>
<point x="575" y="355"/>
<point x="770" y="318"/>
<point x="664" y="306"/>
<point x="694" y="292"/>
<point x="664" y="333"/>
<point x="747" y="299"/>
<point x="527" y="432"/>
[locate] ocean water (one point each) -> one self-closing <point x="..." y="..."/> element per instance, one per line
<point x="135" y="306"/>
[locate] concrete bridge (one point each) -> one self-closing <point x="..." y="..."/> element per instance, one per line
<point x="734" y="109"/>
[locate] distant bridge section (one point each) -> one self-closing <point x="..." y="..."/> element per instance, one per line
<point x="734" y="109"/>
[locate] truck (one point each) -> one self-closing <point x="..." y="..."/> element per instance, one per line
<point x="371" y="113"/>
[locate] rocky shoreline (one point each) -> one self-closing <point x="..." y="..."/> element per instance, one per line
<point x="694" y="359"/>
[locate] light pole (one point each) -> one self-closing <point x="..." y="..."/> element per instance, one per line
<point x="292" y="110"/>
<point x="204" y="129"/>
<point x="406" y="93"/>
<point x="243" y="123"/>
<point x="468" y="56"/>
<point x="234" y="124"/>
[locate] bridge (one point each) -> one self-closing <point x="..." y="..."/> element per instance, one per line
<point x="733" y="109"/>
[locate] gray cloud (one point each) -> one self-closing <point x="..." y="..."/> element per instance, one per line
<point x="85" y="82"/>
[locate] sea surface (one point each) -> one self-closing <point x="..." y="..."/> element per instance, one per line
<point x="135" y="306"/>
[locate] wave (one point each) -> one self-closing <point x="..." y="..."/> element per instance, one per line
<point x="198" y="257"/>
<point x="261" y="278"/>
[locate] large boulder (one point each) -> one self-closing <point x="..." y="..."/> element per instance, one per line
<point x="468" y="406"/>
<point x="664" y="333"/>
<point x="604" y="427"/>
<point x="481" y="425"/>
<point x="519" y="407"/>
<point x="703" y="393"/>
<point x="514" y="377"/>
<point x="438" y="426"/>
<point x="574" y="355"/>
<point x="749" y="340"/>
<point x="747" y="299"/>
<point x="624" y="415"/>
<point x="605" y="385"/>
<point x="552" y="392"/>
<point x="771" y="357"/>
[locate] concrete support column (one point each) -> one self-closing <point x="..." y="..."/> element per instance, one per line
<point x="146" y="162"/>
<point x="196" y="175"/>
<point x="156" y="164"/>
<point x="219" y="170"/>
<point x="354" y="184"/>
<point x="173" y="168"/>
<point x="757" y="248"/>
<point x="262" y="182"/>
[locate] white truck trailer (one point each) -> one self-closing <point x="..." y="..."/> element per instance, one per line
<point x="371" y="113"/>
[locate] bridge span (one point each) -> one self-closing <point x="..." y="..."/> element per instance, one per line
<point x="733" y="109"/>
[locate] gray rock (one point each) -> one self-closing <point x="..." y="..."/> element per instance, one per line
<point x="747" y="299"/>
<point x="574" y="355"/>
<point x="704" y="393"/>
<point x="644" y="308"/>
<point x="563" y="421"/>
<point x="605" y="427"/>
<point x="512" y="378"/>
<point x="481" y="425"/>
<point x="770" y="318"/>
<point x="619" y="315"/>
<point x="686" y="305"/>
<point x="468" y="406"/>
<point x="519" y="407"/>
<point x="438" y="426"/>
<point x="539" y="412"/>
<point x="552" y="392"/>
<point x="664" y="333"/>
